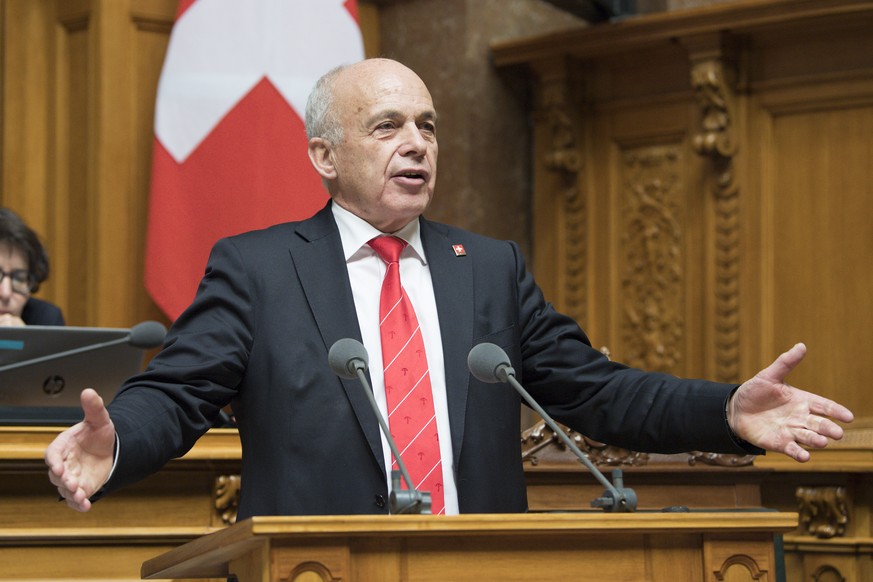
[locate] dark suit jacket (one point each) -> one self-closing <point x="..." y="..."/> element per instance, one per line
<point x="39" y="312"/>
<point x="271" y="304"/>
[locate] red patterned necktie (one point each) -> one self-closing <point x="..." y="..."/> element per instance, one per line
<point x="411" y="415"/>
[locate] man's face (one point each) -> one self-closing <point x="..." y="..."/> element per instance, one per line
<point x="384" y="169"/>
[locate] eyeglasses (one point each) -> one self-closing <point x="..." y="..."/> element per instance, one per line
<point x="21" y="280"/>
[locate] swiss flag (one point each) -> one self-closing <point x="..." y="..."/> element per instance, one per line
<point x="230" y="150"/>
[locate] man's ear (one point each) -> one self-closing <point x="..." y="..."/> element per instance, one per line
<point x="321" y="156"/>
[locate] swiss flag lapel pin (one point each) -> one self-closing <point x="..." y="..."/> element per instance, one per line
<point x="459" y="250"/>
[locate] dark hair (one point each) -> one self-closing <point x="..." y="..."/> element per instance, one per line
<point x="15" y="233"/>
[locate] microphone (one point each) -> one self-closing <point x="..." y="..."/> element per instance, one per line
<point x="148" y="334"/>
<point x="346" y="357"/>
<point x="349" y="360"/>
<point x="489" y="363"/>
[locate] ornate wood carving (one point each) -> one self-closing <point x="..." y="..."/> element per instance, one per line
<point x="652" y="322"/>
<point x="827" y="573"/>
<point x="564" y="159"/>
<point x="738" y="561"/>
<point x="720" y="459"/>
<point x="310" y="572"/>
<point x="541" y="439"/>
<point x="539" y="444"/>
<point x="824" y="511"/>
<point x="716" y="140"/>
<point x="226" y="498"/>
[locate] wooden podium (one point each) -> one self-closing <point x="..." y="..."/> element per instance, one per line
<point x="669" y="547"/>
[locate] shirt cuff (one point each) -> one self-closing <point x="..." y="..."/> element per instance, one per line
<point x="115" y="454"/>
<point x="741" y="443"/>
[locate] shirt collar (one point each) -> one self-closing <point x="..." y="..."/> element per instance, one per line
<point x="356" y="232"/>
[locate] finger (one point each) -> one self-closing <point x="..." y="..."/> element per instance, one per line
<point x="54" y="459"/>
<point x="92" y="405"/>
<point x="783" y="365"/>
<point x="75" y="497"/>
<point x="56" y="479"/>
<point x="827" y="428"/>
<point x="70" y="484"/>
<point x="796" y="452"/>
<point x="82" y="506"/>
<point x="64" y="493"/>
<point x="827" y="407"/>
<point x="56" y="453"/>
<point x="810" y="438"/>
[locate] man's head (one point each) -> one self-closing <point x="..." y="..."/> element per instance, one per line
<point x="23" y="262"/>
<point x="372" y="138"/>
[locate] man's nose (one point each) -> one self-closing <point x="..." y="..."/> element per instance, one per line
<point x="414" y="142"/>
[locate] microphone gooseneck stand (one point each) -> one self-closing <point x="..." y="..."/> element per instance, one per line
<point x="348" y="359"/>
<point x="489" y="363"/>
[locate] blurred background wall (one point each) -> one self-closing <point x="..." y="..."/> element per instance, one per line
<point x="77" y="95"/>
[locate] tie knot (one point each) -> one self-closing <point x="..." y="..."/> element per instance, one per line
<point x="388" y="247"/>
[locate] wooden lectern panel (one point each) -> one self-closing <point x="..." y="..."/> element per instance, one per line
<point x="666" y="547"/>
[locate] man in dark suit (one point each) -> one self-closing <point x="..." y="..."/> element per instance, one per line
<point x="272" y="303"/>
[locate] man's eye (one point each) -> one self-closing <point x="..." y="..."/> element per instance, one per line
<point x="385" y="126"/>
<point x="429" y="127"/>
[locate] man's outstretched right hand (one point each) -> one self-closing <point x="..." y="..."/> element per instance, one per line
<point x="80" y="458"/>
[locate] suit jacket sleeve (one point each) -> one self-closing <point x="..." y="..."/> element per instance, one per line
<point x="608" y="401"/>
<point x="181" y="393"/>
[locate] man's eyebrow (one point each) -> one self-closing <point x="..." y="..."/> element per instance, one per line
<point x="429" y="115"/>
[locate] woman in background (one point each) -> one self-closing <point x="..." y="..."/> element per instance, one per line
<point x="23" y="266"/>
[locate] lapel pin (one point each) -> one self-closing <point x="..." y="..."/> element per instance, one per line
<point x="459" y="250"/>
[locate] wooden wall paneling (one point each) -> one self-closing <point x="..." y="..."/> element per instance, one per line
<point x="816" y="231"/>
<point x="559" y="165"/>
<point x="41" y="539"/>
<point x="151" y="22"/>
<point x="773" y="249"/>
<point x="756" y="300"/>
<point x="26" y="33"/>
<point x="127" y="65"/>
<point x="78" y="103"/>
<point x="113" y="230"/>
<point x="74" y="209"/>
<point x="810" y="106"/>
<point x="649" y="237"/>
<point x="712" y="76"/>
<point x="769" y="107"/>
<point x="27" y="113"/>
<point x="601" y="325"/>
<point x="561" y="253"/>
<point x="648" y="213"/>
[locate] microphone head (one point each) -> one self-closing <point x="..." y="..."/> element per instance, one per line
<point x="489" y="363"/>
<point x="346" y="357"/>
<point x="148" y="334"/>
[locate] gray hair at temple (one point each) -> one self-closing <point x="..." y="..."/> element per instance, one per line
<point x="321" y="119"/>
<point x="15" y="233"/>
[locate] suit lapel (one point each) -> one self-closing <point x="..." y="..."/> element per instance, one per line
<point x="453" y="291"/>
<point x="318" y="259"/>
<point x="321" y="269"/>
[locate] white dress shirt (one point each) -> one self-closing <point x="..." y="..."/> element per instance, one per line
<point x="366" y="271"/>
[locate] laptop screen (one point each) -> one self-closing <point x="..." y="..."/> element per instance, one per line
<point x="68" y="360"/>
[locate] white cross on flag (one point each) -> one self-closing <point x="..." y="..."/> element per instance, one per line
<point x="230" y="150"/>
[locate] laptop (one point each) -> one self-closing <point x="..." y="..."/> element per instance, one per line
<point x="46" y="392"/>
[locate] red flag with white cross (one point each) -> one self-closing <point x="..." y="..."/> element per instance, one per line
<point x="230" y="150"/>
